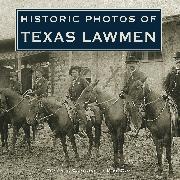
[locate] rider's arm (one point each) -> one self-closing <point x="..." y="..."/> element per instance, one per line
<point x="84" y="82"/>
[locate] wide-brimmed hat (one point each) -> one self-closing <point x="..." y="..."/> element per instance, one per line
<point x="131" y="60"/>
<point x="77" y="68"/>
<point x="177" y="57"/>
<point x="13" y="73"/>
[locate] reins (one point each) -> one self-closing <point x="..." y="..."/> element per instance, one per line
<point x="16" y="105"/>
<point x="144" y="104"/>
<point x="108" y="101"/>
<point x="99" y="103"/>
<point x="52" y="114"/>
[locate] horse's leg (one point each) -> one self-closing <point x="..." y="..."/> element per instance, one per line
<point x="2" y="138"/>
<point x="120" y="148"/>
<point x="6" y="134"/>
<point x="2" y="135"/>
<point x="73" y="142"/>
<point x="34" y="130"/>
<point x="115" y="147"/>
<point x="63" y="141"/>
<point x="14" y="138"/>
<point x="159" y="150"/>
<point x="26" y="128"/>
<point x="90" y="136"/>
<point x="168" y="157"/>
<point x="97" y="138"/>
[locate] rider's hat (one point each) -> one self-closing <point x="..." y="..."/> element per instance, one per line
<point x="77" y="68"/>
<point x="13" y="74"/>
<point x="131" y="60"/>
<point x="177" y="57"/>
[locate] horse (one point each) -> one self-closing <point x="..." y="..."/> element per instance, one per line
<point x="17" y="110"/>
<point x="171" y="85"/>
<point x="115" y="117"/>
<point x="57" y="117"/>
<point x="89" y="123"/>
<point x="4" y="121"/>
<point x="157" y="117"/>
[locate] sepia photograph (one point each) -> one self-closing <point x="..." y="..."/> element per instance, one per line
<point x="92" y="114"/>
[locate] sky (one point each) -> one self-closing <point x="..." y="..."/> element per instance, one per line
<point x="8" y="7"/>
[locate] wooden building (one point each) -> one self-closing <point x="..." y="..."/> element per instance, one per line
<point x="108" y="66"/>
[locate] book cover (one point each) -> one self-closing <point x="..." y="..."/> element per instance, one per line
<point x="83" y="95"/>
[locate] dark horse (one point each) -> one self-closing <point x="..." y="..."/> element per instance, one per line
<point x="89" y="123"/>
<point x="157" y="115"/>
<point x="18" y="109"/>
<point x="115" y="117"/>
<point x="58" y="120"/>
<point x="4" y="121"/>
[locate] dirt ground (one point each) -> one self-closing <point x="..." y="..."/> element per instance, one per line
<point x="47" y="163"/>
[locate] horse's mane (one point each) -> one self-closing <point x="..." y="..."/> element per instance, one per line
<point x="106" y="94"/>
<point x="8" y="92"/>
<point x="51" y="103"/>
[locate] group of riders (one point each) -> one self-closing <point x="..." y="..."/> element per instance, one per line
<point x="79" y="83"/>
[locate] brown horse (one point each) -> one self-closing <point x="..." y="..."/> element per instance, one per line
<point x="58" y="120"/>
<point x="157" y="115"/>
<point x="115" y="117"/>
<point x="4" y="121"/>
<point x="95" y="122"/>
<point x="17" y="110"/>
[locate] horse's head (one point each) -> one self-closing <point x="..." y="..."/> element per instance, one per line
<point x="33" y="111"/>
<point x="3" y="104"/>
<point x="88" y="94"/>
<point x="137" y="90"/>
<point x="86" y="97"/>
<point x="137" y="96"/>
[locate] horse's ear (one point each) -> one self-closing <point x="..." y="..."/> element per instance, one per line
<point x="95" y="83"/>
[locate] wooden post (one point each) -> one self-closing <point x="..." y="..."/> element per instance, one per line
<point x="19" y="66"/>
<point x="70" y="58"/>
<point x="97" y="65"/>
<point x="52" y="76"/>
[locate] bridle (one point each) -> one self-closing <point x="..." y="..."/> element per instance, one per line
<point x="45" y="117"/>
<point x="99" y="103"/>
<point x="16" y="105"/>
<point x="142" y="106"/>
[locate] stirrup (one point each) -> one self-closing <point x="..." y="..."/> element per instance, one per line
<point x="82" y="134"/>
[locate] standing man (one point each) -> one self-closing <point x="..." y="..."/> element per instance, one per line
<point x="172" y="85"/>
<point x="78" y="84"/>
<point x="15" y="85"/>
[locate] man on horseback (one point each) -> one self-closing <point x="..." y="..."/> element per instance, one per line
<point x="172" y="86"/>
<point x="40" y="86"/>
<point x="78" y="84"/>
<point x="40" y="90"/>
<point x="132" y="74"/>
<point x="15" y="85"/>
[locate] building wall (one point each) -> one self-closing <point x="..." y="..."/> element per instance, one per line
<point x="103" y="64"/>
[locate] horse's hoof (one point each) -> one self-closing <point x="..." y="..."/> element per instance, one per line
<point x="171" y="174"/>
<point x="159" y="173"/>
<point x="77" y="158"/>
<point x="97" y="153"/>
<point x="67" y="163"/>
<point x="11" y="152"/>
<point x="88" y="155"/>
<point x="30" y="151"/>
<point x="159" y="176"/>
<point x="115" y="165"/>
